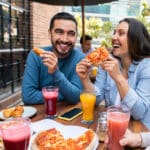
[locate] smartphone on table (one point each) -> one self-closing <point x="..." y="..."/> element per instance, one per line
<point x="71" y="114"/>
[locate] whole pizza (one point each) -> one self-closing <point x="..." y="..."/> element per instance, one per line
<point x="98" y="55"/>
<point x="52" y="139"/>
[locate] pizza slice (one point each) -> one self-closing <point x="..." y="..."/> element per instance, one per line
<point x="87" y="140"/>
<point x="98" y="55"/>
<point x="52" y="139"/>
<point x="38" y="51"/>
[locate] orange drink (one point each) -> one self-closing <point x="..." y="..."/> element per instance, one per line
<point x="88" y="100"/>
<point x="94" y="71"/>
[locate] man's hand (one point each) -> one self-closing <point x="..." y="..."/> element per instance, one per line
<point x="50" y="60"/>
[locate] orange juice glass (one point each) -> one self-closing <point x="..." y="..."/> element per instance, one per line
<point x="94" y="71"/>
<point x="88" y="100"/>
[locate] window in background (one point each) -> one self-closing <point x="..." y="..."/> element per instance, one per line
<point x="14" y="44"/>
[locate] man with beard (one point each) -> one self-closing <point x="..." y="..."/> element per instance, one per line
<point x="56" y="65"/>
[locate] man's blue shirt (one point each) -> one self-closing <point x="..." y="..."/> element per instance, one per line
<point x="65" y="77"/>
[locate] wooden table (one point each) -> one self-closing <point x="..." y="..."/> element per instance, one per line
<point x="135" y="126"/>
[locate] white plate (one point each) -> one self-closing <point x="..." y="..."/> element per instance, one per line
<point x="68" y="131"/>
<point x="28" y="112"/>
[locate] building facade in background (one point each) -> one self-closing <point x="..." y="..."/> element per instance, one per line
<point x="23" y="25"/>
<point x="113" y="11"/>
<point x="14" y="44"/>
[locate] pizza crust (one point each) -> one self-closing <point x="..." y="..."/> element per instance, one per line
<point x="91" y="146"/>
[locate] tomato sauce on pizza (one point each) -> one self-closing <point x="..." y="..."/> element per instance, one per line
<point x="98" y="55"/>
<point x="52" y="139"/>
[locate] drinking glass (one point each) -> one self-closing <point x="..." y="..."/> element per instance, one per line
<point x="88" y="100"/>
<point x="102" y="126"/>
<point x="117" y="121"/>
<point x="93" y="73"/>
<point x="50" y="94"/>
<point x="16" y="133"/>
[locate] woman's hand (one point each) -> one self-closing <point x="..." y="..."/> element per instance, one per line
<point x="111" y="65"/>
<point x="50" y="60"/>
<point x="131" y="139"/>
<point x="83" y="68"/>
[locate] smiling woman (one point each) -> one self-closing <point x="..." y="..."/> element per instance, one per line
<point x="124" y="78"/>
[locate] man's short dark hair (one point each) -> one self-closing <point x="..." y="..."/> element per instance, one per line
<point x="62" y="15"/>
<point x="87" y="37"/>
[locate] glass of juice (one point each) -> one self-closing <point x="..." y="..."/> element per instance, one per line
<point x="16" y="133"/>
<point x="50" y="94"/>
<point x="117" y="122"/>
<point x="88" y="100"/>
<point x="93" y="73"/>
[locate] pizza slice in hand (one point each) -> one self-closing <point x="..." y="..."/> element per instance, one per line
<point x="98" y="55"/>
<point x="38" y="51"/>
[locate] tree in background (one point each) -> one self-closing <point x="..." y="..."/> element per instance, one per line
<point x="107" y="29"/>
<point x="102" y="31"/>
<point x="145" y="10"/>
<point x="96" y="28"/>
<point x="145" y="15"/>
<point x="92" y="26"/>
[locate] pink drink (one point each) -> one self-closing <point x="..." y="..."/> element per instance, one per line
<point x="16" y="135"/>
<point x="50" y="102"/>
<point x="50" y="97"/>
<point x="117" y="125"/>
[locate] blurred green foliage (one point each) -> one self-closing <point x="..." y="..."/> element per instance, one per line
<point x="103" y="30"/>
<point x="144" y="17"/>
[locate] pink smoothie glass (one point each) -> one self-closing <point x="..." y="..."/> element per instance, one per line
<point x="50" y="94"/>
<point x="117" y="122"/>
<point x="16" y="133"/>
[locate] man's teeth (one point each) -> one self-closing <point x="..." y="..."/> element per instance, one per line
<point x="63" y="45"/>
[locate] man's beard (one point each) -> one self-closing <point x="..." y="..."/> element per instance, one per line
<point x="60" y="54"/>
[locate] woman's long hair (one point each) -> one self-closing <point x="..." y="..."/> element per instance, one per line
<point x="138" y="39"/>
